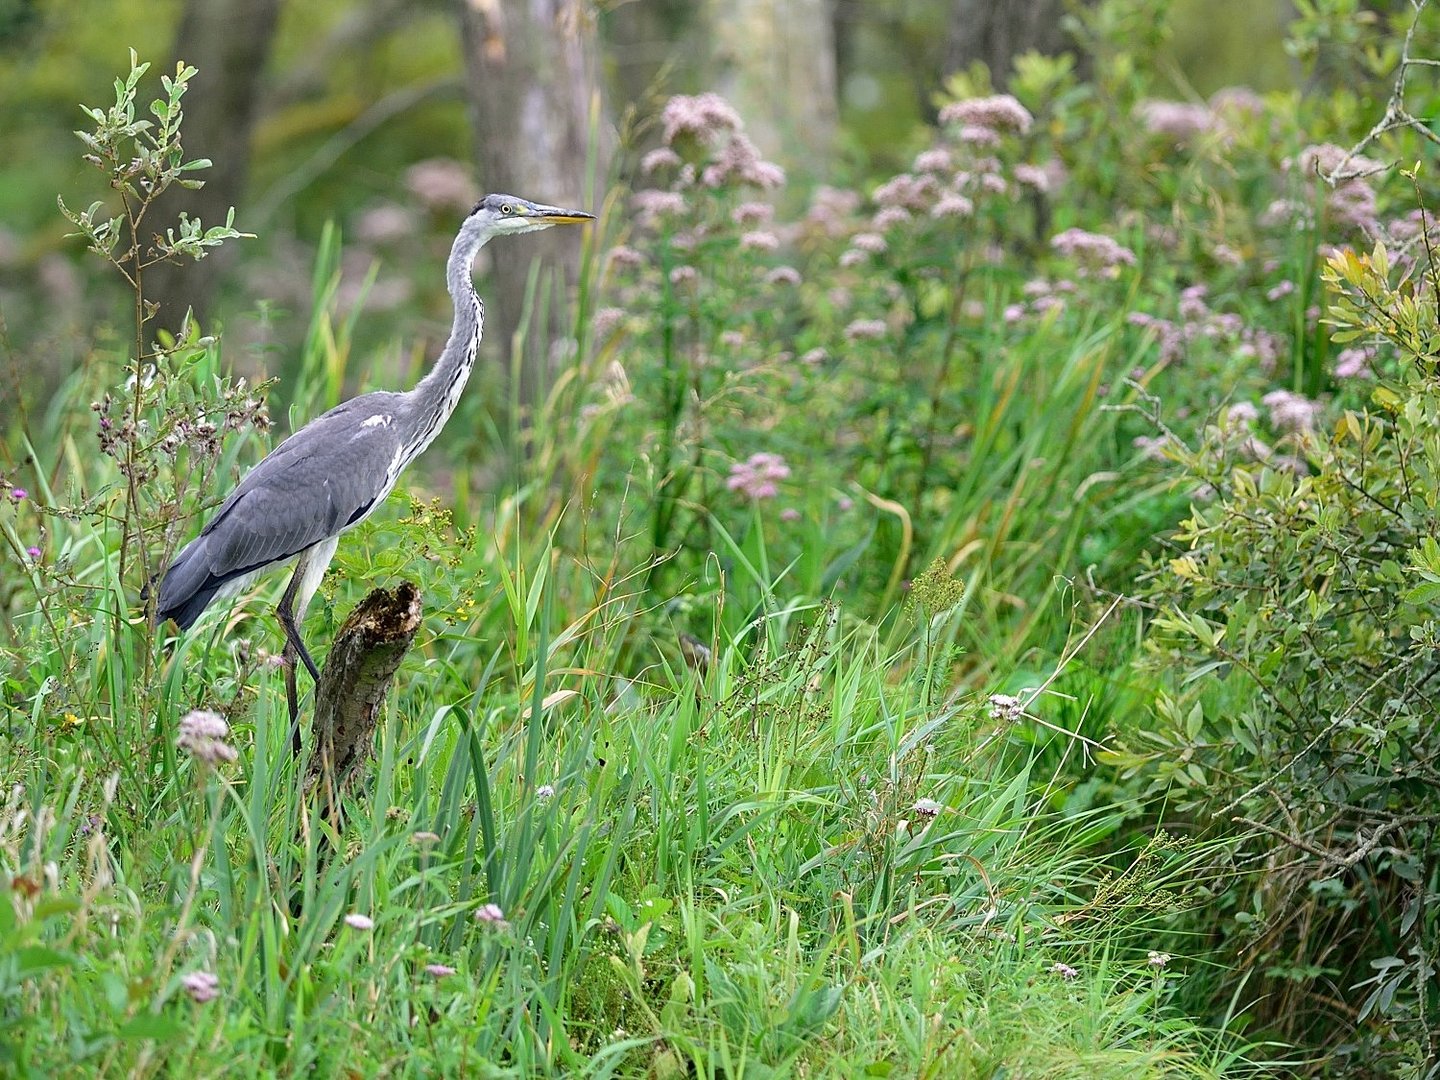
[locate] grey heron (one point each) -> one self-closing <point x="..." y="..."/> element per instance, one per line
<point x="336" y="470"/>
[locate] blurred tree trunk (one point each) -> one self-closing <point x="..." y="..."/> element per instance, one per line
<point x="531" y="79"/>
<point x="775" y="62"/>
<point x="228" y="41"/>
<point x="997" y="33"/>
<point x="644" y="42"/>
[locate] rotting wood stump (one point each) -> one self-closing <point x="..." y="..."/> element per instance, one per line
<point x="363" y="660"/>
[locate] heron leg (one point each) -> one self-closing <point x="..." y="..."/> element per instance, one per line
<point x="309" y="569"/>
<point x="294" y="645"/>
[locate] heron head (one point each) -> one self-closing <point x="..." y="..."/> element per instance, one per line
<point x="503" y="215"/>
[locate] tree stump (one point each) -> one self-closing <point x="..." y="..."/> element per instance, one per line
<point x="363" y="660"/>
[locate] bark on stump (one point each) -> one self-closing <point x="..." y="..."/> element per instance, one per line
<point x="363" y="660"/>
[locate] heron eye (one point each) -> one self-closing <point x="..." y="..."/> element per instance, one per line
<point x="507" y="209"/>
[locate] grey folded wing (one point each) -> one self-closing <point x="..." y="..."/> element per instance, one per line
<point x="314" y="485"/>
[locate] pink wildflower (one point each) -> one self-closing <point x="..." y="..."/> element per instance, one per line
<point x="654" y="204"/>
<point x="439" y="971"/>
<point x="1065" y="971"/>
<point x="1226" y="255"/>
<point x="203" y="734"/>
<point x="952" y="204"/>
<point x="1006" y="707"/>
<point x="356" y="921"/>
<point x="1352" y="206"/>
<point x="1151" y="448"/>
<point x="623" y="257"/>
<point x="887" y="217"/>
<point x="907" y="190"/>
<point x="202" y="986"/>
<point x="661" y="158"/>
<point x="789" y="514"/>
<point x="1192" y="303"/>
<point x="1237" y="99"/>
<point x="703" y="116"/>
<point x="1355" y="362"/>
<point x="758" y="477"/>
<point x="491" y="915"/>
<point x="740" y="162"/>
<point x="1290" y="411"/>
<point x="1334" y="163"/>
<point x="1033" y="177"/>
<point x="829" y="207"/>
<point x="1242" y="413"/>
<point x="937" y="160"/>
<point x="783" y="275"/>
<point x="1092" y="248"/>
<point x="873" y="243"/>
<point x="866" y="329"/>
<point x="1176" y="120"/>
<point x="606" y="321"/>
<point x="752" y="213"/>
<point x="759" y="240"/>
<point x="1001" y="112"/>
<point x="978" y="135"/>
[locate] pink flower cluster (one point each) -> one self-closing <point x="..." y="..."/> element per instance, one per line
<point x="1000" y="112"/>
<point x="202" y="986"/>
<point x="1292" y="412"/>
<point x="758" y="477"/>
<point x="653" y="205"/>
<point x="1354" y="363"/>
<point x="1178" y="121"/>
<point x="203" y="734"/>
<point x="713" y="122"/>
<point x="1093" y="249"/>
<point x="704" y="116"/>
<point x="740" y="163"/>
<point x="1334" y="162"/>
<point x="1197" y="321"/>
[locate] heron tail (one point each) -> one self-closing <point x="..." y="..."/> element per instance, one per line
<point x="188" y="586"/>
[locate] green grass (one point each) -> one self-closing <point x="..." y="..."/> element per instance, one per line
<point x="723" y="871"/>
<point x="729" y="877"/>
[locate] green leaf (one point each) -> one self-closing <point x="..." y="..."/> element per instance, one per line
<point x="36" y="958"/>
<point x="1426" y="592"/>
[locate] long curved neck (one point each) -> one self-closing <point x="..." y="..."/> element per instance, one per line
<point x="437" y="394"/>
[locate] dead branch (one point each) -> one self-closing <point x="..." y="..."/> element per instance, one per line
<point x="363" y="660"/>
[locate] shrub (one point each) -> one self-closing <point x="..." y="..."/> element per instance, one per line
<point x="1299" y="620"/>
